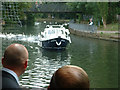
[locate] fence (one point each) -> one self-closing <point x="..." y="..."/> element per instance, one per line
<point x="83" y="27"/>
<point x="10" y="14"/>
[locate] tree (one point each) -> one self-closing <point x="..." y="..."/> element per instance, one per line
<point x="103" y="8"/>
<point x="113" y="8"/>
<point x="77" y="6"/>
<point x="22" y="6"/>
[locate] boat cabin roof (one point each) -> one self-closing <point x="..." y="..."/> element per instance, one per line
<point x="55" y="29"/>
<point x="54" y="26"/>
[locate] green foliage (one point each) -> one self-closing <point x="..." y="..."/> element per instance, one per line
<point x="101" y="33"/>
<point x="77" y="6"/>
<point x="103" y="8"/>
<point x="112" y="12"/>
<point x="30" y="19"/>
<point x="22" y="6"/>
<point x="91" y="8"/>
<point x="79" y="17"/>
<point x="97" y="10"/>
<point x="107" y="10"/>
<point x="110" y="27"/>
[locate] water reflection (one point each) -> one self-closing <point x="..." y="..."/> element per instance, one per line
<point x="42" y="65"/>
<point x="98" y="58"/>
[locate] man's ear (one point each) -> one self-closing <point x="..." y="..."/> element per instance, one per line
<point x="48" y="88"/>
<point x="25" y="65"/>
<point x="2" y="60"/>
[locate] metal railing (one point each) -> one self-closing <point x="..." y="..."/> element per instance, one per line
<point x="10" y="14"/>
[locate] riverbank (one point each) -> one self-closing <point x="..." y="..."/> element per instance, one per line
<point x="102" y="35"/>
<point x="110" y="27"/>
<point x="110" y="33"/>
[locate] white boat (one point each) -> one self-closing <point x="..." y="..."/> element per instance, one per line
<point x="55" y="37"/>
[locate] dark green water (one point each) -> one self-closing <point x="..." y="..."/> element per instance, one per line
<point x="98" y="58"/>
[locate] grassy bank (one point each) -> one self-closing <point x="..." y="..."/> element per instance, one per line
<point x="110" y="27"/>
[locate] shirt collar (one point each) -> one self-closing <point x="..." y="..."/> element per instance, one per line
<point x="12" y="73"/>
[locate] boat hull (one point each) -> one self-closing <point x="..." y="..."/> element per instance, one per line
<point x="57" y="43"/>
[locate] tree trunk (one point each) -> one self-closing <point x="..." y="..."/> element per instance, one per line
<point x="104" y="23"/>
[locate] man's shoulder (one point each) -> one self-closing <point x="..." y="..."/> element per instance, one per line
<point x="8" y="81"/>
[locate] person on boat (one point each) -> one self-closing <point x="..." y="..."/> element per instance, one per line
<point x="69" y="76"/>
<point x="14" y="64"/>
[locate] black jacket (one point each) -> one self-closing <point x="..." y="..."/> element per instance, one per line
<point x="8" y="81"/>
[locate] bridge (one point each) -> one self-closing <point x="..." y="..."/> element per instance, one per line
<point x="51" y="8"/>
<point x="11" y="11"/>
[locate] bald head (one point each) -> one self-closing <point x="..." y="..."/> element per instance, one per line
<point x="70" y="77"/>
<point x="15" y="55"/>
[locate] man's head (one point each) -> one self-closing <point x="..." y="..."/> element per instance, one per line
<point x="90" y="19"/>
<point x="15" y="58"/>
<point x="70" y="77"/>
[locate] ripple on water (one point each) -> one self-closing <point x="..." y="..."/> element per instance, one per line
<point x="25" y="77"/>
<point x="41" y="74"/>
<point x="40" y="71"/>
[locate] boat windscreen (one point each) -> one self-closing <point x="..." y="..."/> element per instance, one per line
<point x="51" y="32"/>
<point x="56" y="26"/>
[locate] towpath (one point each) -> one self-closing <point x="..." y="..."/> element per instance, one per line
<point x="108" y="31"/>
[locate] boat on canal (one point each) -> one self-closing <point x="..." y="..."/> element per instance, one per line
<point x="55" y="37"/>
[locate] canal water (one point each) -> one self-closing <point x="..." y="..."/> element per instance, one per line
<point x="98" y="58"/>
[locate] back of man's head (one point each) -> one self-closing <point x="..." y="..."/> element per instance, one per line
<point x="15" y="55"/>
<point x="70" y="76"/>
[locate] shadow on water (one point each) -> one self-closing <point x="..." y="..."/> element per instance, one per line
<point x="55" y="54"/>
